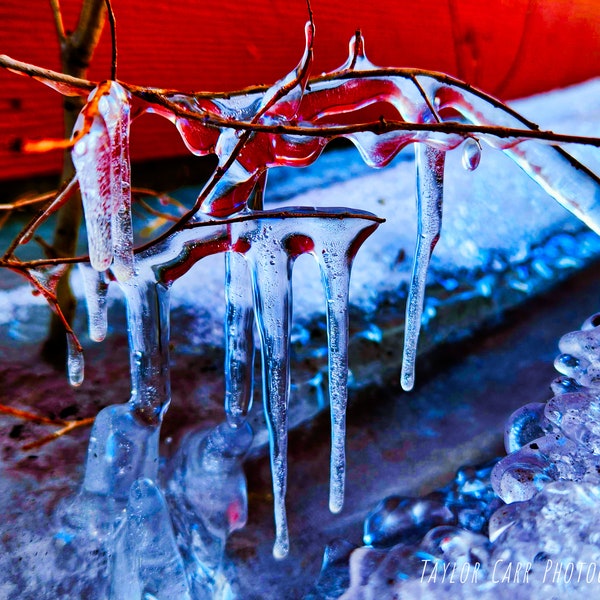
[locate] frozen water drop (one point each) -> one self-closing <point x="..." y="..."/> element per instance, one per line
<point x="80" y="147"/>
<point x="96" y="289"/>
<point x="456" y="545"/>
<point x="591" y="322"/>
<point x="212" y="477"/>
<point x="357" y="58"/>
<point x="564" y="385"/>
<point x="525" y="425"/>
<point x="398" y="518"/>
<point x="577" y="415"/>
<point x="75" y="362"/>
<point x="471" y="155"/>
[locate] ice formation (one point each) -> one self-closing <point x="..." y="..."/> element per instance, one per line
<point x="121" y="505"/>
<point x="524" y="524"/>
<point x="101" y="158"/>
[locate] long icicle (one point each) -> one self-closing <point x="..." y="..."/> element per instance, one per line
<point x="271" y="282"/>
<point x="148" y="316"/>
<point x="430" y="191"/>
<point x="124" y="440"/>
<point x="239" y="340"/>
<point x="335" y="269"/>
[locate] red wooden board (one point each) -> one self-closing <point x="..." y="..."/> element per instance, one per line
<point x="508" y="48"/>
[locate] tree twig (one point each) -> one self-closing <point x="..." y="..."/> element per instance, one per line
<point x="58" y="21"/>
<point x="67" y="428"/>
<point x="113" y="34"/>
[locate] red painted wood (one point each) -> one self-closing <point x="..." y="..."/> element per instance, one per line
<point x="508" y="48"/>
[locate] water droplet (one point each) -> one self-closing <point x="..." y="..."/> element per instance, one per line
<point x="471" y="154"/>
<point x="75" y="363"/>
<point x="80" y="147"/>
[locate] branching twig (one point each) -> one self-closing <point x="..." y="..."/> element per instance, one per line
<point x="27" y="201"/>
<point x="68" y="427"/>
<point x="113" y="34"/>
<point x="28" y="416"/>
<point x="77" y="50"/>
<point x="65" y="426"/>
<point x="58" y="21"/>
<point x="27" y="232"/>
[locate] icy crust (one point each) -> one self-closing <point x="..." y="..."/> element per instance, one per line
<point x="522" y="527"/>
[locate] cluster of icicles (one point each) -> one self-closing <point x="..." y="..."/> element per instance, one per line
<point x="261" y="245"/>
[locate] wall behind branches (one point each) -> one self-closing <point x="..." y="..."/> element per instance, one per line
<point x="509" y="48"/>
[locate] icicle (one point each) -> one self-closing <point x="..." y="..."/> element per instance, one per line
<point x="148" y="317"/>
<point x="122" y="228"/>
<point x="124" y="440"/>
<point x="101" y="159"/>
<point x="430" y="187"/>
<point x="75" y="362"/>
<point x="239" y="340"/>
<point x="336" y="243"/>
<point x="117" y="118"/>
<point x="357" y="58"/>
<point x="96" y="288"/>
<point x="336" y="281"/>
<point x="91" y="157"/>
<point x="271" y="281"/>
<point x="333" y="236"/>
<point x="471" y="154"/>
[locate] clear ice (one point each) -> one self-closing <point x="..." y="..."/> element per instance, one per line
<point x="543" y="542"/>
<point x="96" y="288"/>
<point x="430" y="193"/>
<point x="147" y="563"/>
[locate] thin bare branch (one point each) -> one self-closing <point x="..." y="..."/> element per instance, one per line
<point x="425" y="97"/>
<point x="50" y="298"/>
<point x="65" y="84"/>
<point x="70" y="426"/>
<point x="27" y="201"/>
<point x="113" y="34"/>
<point x="65" y="426"/>
<point x="29" y="416"/>
<point x="27" y="232"/>
<point x="58" y="21"/>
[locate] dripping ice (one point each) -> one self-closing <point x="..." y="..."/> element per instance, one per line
<point x="95" y="289"/>
<point x="273" y="245"/>
<point x="430" y="189"/>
